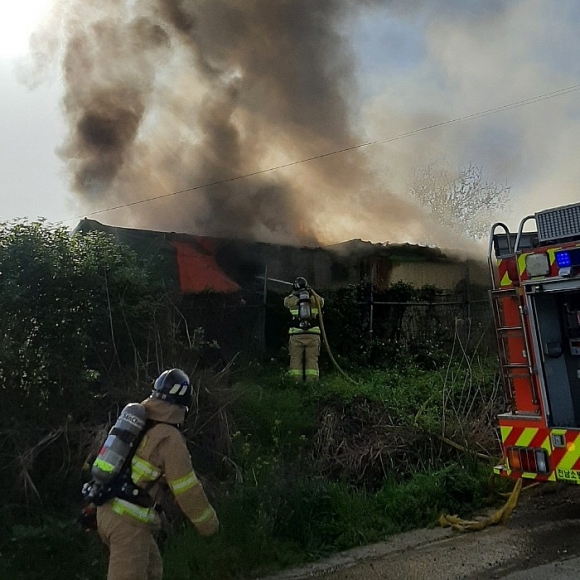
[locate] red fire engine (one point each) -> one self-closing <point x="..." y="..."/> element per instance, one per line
<point x="536" y="304"/>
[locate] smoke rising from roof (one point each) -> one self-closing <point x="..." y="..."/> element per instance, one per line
<point x="163" y="95"/>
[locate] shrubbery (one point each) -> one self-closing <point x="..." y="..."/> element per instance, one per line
<point x="298" y="491"/>
<point x="296" y="472"/>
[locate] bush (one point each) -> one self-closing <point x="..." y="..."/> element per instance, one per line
<point x="85" y="327"/>
<point x="410" y="326"/>
<point x="50" y="550"/>
<point x="296" y="471"/>
<point x="74" y="308"/>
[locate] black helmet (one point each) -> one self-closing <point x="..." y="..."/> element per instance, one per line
<point x="174" y="387"/>
<point x="300" y="283"/>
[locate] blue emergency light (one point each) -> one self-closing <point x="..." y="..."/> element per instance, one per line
<point x="568" y="258"/>
<point x="563" y="259"/>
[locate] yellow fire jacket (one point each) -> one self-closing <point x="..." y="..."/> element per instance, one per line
<point x="163" y="457"/>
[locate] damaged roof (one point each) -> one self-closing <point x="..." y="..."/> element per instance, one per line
<point x="192" y="264"/>
<point x="186" y="260"/>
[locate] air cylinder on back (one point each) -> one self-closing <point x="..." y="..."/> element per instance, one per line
<point x="304" y="310"/>
<point x="119" y="443"/>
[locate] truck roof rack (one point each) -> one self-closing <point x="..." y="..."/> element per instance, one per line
<point x="558" y="224"/>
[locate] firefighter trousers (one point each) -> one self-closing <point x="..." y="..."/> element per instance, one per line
<point x="304" y="351"/>
<point x="133" y="551"/>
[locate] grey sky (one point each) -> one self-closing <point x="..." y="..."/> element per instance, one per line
<point x="463" y="62"/>
<point x="414" y="67"/>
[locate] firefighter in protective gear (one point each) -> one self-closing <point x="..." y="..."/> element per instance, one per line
<point x="304" y="339"/>
<point x="161" y="462"/>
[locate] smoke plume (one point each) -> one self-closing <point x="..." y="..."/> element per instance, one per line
<point x="167" y="95"/>
<point x="190" y="102"/>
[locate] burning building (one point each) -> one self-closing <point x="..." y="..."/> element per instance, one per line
<point x="198" y="264"/>
<point x="233" y="288"/>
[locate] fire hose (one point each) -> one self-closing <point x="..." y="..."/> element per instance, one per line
<point x="318" y="301"/>
<point x="500" y="516"/>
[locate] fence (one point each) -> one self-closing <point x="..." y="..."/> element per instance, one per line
<point x="256" y="325"/>
<point x="443" y="321"/>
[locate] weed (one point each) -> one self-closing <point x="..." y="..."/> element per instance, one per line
<point x="51" y="549"/>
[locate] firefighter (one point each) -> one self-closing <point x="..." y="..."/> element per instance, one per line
<point x="160" y="463"/>
<point x="304" y="339"/>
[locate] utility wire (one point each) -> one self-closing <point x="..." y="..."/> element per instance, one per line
<point x="485" y="113"/>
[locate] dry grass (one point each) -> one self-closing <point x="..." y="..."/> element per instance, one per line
<point x="363" y="441"/>
<point x="25" y="457"/>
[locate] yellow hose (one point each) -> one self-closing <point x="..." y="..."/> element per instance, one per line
<point x="498" y="517"/>
<point x="318" y="301"/>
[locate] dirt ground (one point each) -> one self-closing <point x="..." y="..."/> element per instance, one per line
<point x="542" y="533"/>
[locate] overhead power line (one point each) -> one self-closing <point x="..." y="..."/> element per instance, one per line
<point x="484" y="113"/>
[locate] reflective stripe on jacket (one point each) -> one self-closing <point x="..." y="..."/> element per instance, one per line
<point x="137" y="512"/>
<point x="163" y="458"/>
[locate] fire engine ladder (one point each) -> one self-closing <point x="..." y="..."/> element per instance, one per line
<point x="510" y="370"/>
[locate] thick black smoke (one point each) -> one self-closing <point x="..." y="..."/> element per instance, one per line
<point x="166" y="95"/>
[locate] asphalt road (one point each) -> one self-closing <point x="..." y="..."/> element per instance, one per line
<point x="541" y="541"/>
